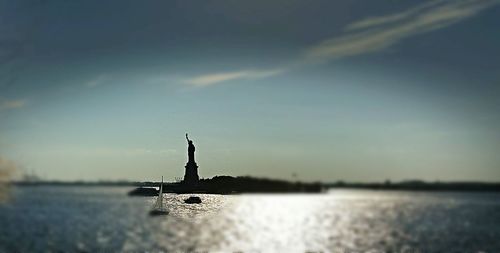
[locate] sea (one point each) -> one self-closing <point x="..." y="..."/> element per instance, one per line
<point x="106" y="219"/>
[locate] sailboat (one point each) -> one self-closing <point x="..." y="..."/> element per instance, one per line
<point x="158" y="208"/>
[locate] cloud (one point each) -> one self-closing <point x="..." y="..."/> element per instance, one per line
<point x="99" y="80"/>
<point x="215" y="78"/>
<point x="382" y="20"/>
<point x="366" y="36"/>
<point x="385" y="31"/>
<point x="6" y="104"/>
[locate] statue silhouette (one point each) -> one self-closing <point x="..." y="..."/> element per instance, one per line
<point x="191" y="175"/>
<point x="191" y="150"/>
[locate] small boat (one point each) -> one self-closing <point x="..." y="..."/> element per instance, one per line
<point x="144" y="191"/>
<point x="158" y="208"/>
<point x="193" y="200"/>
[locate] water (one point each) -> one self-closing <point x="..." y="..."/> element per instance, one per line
<point x="105" y="219"/>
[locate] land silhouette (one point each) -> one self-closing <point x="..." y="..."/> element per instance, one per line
<point x="247" y="184"/>
<point x="410" y="185"/>
<point x="225" y="184"/>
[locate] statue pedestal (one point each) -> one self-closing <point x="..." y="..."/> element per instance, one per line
<point x="191" y="176"/>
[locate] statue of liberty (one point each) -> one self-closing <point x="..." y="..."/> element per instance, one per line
<point x="191" y="175"/>
<point x="191" y="150"/>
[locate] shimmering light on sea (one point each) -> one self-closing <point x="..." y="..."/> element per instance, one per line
<point x="90" y="219"/>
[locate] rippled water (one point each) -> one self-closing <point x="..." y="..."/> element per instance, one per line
<point x="105" y="219"/>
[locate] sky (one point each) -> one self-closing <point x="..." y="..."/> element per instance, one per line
<point x="352" y="90"/>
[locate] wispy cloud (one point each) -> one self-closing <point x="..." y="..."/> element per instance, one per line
<point x="214" y="78"/>
<point x="366" y="36"/>
<point x="391" y="18"/>
<point x="99" y="80"/>
<point x="7" y="104"/>
<point x="385" y="31"/>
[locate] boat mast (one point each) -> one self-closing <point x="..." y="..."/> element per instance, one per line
<point x="161" y="193"/>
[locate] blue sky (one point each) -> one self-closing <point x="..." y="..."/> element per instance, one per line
<point x="329" y="90"/>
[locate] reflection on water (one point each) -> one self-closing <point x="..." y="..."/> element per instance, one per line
<point x="93" y="219"/>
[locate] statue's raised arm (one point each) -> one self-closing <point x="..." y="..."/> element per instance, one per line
<point x="187" y="137"/>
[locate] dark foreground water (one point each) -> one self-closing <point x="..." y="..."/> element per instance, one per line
<point x="105" y="219"/>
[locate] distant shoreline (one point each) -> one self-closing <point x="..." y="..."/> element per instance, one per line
<point x="467" y="186"/>
<point x="75" y="183"/>
<point x="421" y="186"/>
